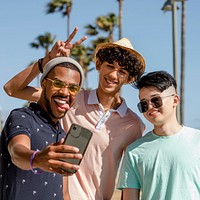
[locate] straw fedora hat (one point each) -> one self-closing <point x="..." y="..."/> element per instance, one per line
<point x="125" y="44"/>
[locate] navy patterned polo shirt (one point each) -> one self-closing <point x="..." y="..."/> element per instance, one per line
<point x="17" y="184"/>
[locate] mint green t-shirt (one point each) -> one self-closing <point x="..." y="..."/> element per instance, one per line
<point x="163" y="167"/>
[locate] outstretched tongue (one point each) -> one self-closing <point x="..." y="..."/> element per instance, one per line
<point x="62" y="104"/>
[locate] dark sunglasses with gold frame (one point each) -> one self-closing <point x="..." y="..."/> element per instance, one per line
<point x="156" y="102"/>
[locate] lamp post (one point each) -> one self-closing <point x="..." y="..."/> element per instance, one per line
<point x="170" y="5"/>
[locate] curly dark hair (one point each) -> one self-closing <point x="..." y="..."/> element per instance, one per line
<point x="125" y="59"/>
<point x="158" y="79"/>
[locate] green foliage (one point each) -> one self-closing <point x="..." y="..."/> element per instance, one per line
<point x="63" y="6"/>
<point x="107" y="23"/>
<point x="104" y="25"/>
<point x="83" y="55"/>
<point x="43" y="41"/>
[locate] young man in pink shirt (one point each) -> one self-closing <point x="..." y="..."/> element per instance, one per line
<point x="103" y="111"/>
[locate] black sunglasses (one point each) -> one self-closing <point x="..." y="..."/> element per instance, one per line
<point x="156" y="102"/>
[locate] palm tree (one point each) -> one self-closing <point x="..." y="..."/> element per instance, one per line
<point x="63" y="6"/>
<point x="93" y="31"/>
<point x="107" y="24"/>
<point x="120" y="18"/>
<point x="83" y="55"/>
<point x="43" y="41"/>
<point x="182" y="88"/>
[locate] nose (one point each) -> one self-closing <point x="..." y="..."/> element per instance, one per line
<point x="150" y="105"/>
<point x="64" y="91"/>
<point x="114" y="73"/>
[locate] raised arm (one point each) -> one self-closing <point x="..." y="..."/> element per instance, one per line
<point x="18" y="86"/>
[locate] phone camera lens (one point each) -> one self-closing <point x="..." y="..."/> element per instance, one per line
<point x="74" y="128"/>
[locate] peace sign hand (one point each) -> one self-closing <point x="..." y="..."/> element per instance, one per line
<point x="63" y="48"/>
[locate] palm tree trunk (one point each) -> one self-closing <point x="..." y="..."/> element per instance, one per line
<point x="68" y="25"/>
<point x="68" y="12"/>
<point x="182" y="87"/>
<point x="120" y="18"/>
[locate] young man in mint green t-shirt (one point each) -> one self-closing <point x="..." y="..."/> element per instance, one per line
<point x="165" y="163"/>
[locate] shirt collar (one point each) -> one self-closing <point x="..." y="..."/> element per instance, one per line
<point x="92" y="99"/>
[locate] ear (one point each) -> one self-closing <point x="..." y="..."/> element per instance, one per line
<point x="43" y="84"/>
<point x="176" y="100"/>
<point x="98" y="64"/>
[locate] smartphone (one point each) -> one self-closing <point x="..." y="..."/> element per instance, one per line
<point x="79" y="137"/>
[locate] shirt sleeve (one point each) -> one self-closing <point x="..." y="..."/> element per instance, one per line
<point x="128" y="174"/>
<point x="17" y="123"/>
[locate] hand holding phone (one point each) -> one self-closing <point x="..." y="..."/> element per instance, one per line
<point x="79" y="137"/>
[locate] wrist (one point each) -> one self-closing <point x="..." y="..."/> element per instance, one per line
<point x="46" y="59"/>
<point x="42" y="62"/>
<point x="31" y="163"/>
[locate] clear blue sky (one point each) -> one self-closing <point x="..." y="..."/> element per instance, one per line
<point x="148" y="28"/>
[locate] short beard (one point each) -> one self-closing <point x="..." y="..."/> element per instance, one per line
<point x="49" y="110"/>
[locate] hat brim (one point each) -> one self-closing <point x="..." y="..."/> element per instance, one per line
<point x="139" y="57"/>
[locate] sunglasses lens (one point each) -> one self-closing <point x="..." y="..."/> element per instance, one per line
<point x="143" y="106"/>
<point x="58" y="84"/>
<point x="157" y="102"/>
<point x="74" y="88"/>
